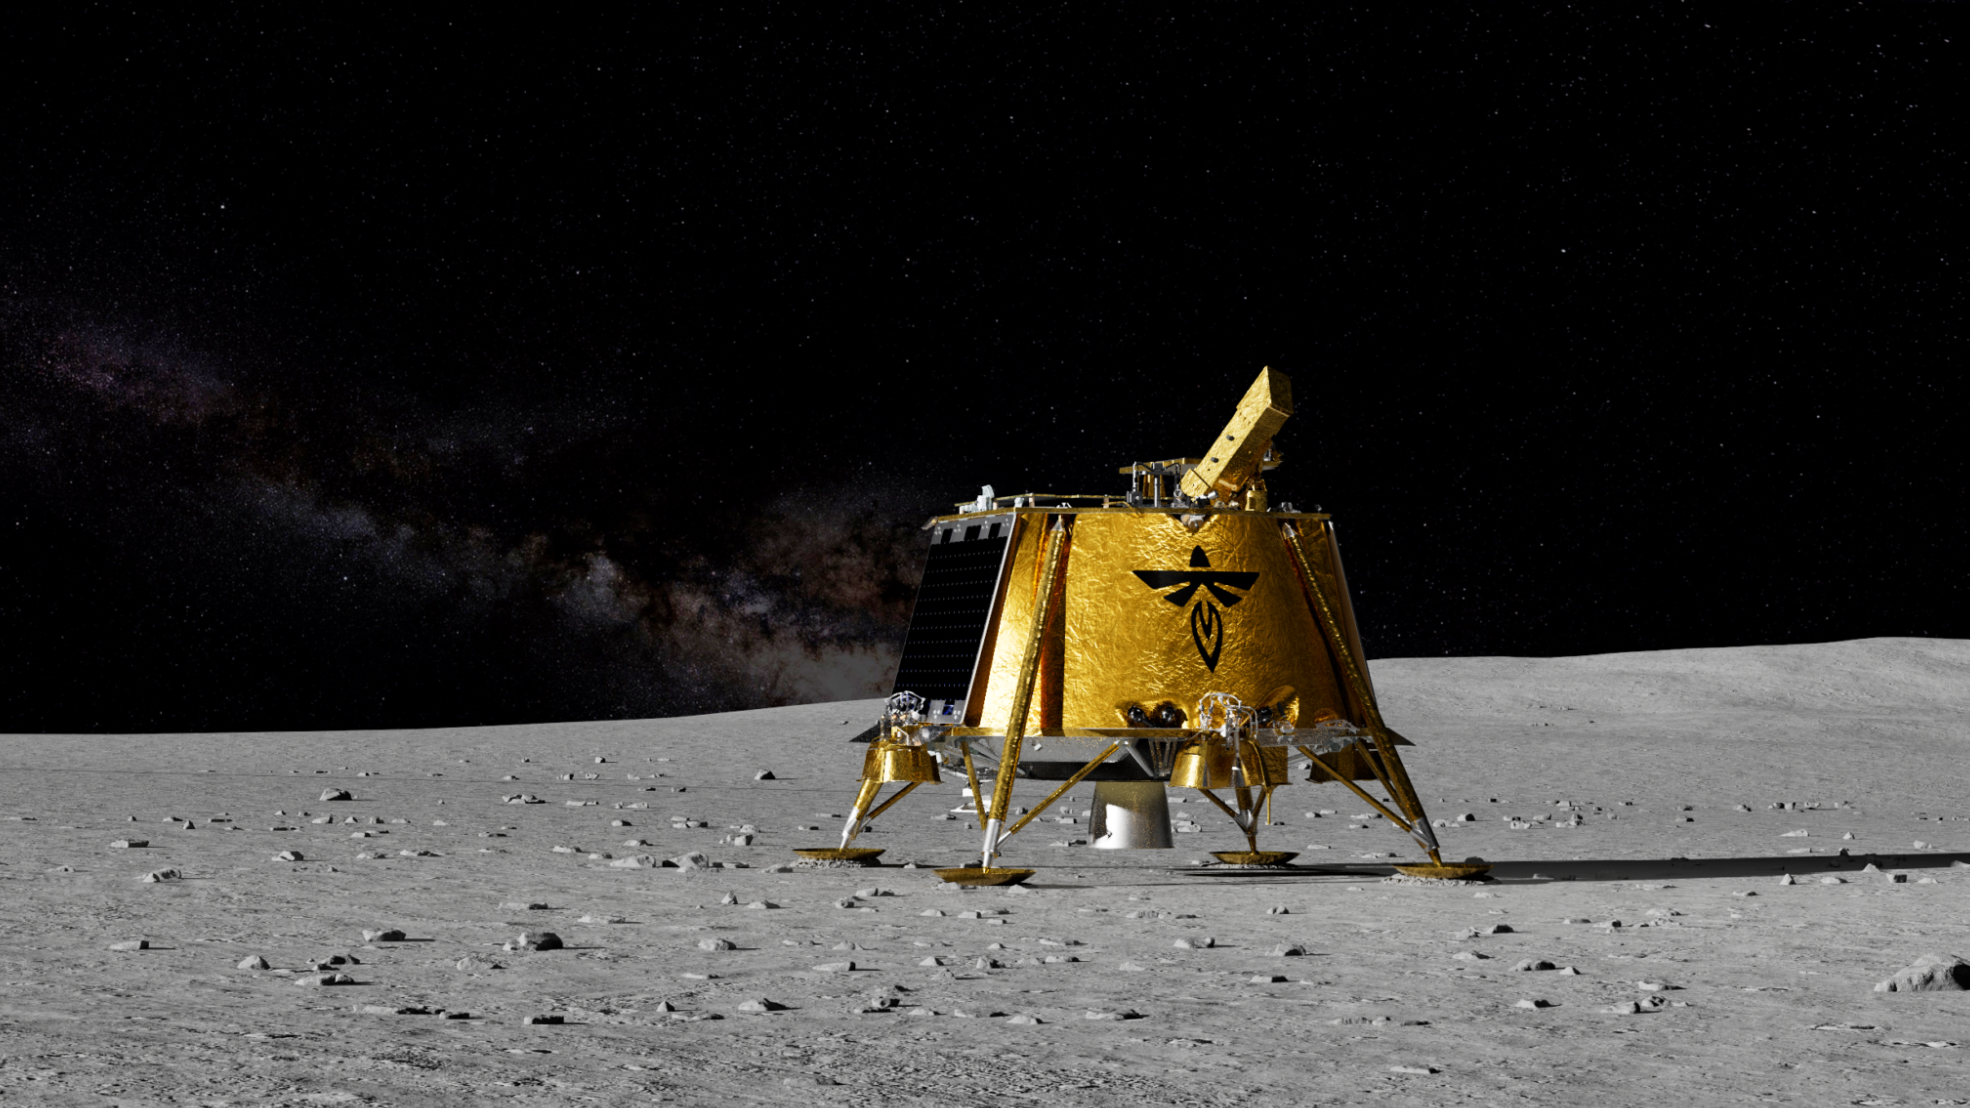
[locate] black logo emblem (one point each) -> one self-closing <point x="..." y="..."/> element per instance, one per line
<point x="1206" y="622"/>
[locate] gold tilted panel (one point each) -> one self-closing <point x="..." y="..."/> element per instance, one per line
<point x="1239" y="450"/>
<point x="1120" y="639"/>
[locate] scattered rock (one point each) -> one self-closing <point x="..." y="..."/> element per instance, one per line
<point x="1533" y="1004"/>
<point x="761" y="905"/>
<point x="1534" y="964"/>
<point x="761" y="1005"/>
<point x="1131" y="967"/>
<point x="289" y="856"/>
<point x="634" y="861"/>
<point x="693" y="860"/>
<point x="1931" y="973"/>
<point x="1025" y="1020"/>
<point x="324" y="980"/>
<point x="156" y="876"/>
<point x="524" y="906"/>
<point x="476" y="963"/>
<point x="1471" y="956"/>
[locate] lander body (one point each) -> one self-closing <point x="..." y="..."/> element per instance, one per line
<point x="1185" y="634"/>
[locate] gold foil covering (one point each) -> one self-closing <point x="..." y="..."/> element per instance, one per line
<point x="1202" y="765"/>
<point x="1263" y="765"/>
<point x="887" y="760"/>
<point x="1119" y="638"/>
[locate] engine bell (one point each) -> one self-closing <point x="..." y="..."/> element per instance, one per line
<point x="1130" y="815"/>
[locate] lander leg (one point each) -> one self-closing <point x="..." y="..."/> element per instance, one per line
<point x="1022" y="695"/>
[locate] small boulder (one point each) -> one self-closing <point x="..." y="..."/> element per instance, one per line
<point x="537" y="940"/>
<point x="715" y="944"/>
<point x="253" y="962"/>
<point x="336" y="794"/>
<point x="385" y="935"/>
<point x="131" y="944"/>
<point x="764" y="775"/>
<point x="634" y="861"/>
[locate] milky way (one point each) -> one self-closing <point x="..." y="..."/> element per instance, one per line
<point x="472" y="563"/>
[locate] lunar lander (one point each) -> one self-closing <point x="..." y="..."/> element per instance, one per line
<point x="1186" y="634"/>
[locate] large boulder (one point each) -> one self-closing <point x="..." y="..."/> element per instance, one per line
<point x="1931" y="973"/>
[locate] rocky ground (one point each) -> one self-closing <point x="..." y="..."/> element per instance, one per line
<point x="1685" y="837"/>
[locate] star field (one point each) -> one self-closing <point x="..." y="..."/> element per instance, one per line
<point x="459" y="374"/>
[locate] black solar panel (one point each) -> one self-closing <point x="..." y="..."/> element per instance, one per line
<point x="954" y="601"/>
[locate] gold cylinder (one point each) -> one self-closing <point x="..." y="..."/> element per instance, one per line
<point x="888" y="760"/>
<point x="1202" y="765"/>
<point x="1263" y="765"/>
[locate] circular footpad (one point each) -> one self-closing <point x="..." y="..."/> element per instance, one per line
<point x="857" y="855"/>
<point x="1255" y="857"/>
<point x="1444" y="872"/>
<point x="979" y="875"/>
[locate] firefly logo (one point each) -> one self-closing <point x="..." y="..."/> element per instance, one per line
<point x="1206" y="622"/>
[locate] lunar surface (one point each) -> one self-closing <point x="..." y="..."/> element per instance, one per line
<point x="1718" y="853"/>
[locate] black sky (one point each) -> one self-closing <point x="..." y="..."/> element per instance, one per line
<point x="440" y="372"/>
